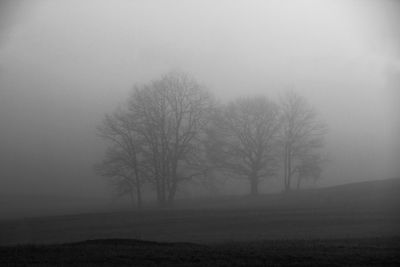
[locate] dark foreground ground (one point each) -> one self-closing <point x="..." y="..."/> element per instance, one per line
<point x="124" y="252"/>
<point x="363" y="210"/>
<point x="355" y="224"/>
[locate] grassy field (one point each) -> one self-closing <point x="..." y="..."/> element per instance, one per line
<point x="113" y="252"/>
<point x="202" y="226"/>
<point x="351" y="211"/>
<point x="352" y="224"/>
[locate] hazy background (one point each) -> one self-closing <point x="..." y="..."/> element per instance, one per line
<point x="64" y="64"/>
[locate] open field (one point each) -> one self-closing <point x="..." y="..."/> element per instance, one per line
<point x="123" y="252"/>
<point x="350" y="211"/>
<point x="203" y="226"/>
<point x="350" y="224"/>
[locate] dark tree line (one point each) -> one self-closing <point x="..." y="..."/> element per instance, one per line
<point x="172" y="130"/>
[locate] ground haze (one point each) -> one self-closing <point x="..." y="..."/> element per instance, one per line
<point x="348" y="211"/>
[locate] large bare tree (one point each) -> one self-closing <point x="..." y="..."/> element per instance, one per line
<point x="170" y="115"/>
<point x="242" y="140"/>
<point x="301" y="135"/>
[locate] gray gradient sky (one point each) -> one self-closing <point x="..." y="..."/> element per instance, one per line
<point x="63" y="64"/>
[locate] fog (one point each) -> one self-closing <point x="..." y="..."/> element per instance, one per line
<point x="64" y="64"/>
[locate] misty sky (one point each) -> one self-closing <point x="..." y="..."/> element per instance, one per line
<point x="64" y="64"/>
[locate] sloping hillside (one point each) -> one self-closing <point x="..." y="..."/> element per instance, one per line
<point x="356" y="210"/>
<point x="379" y="194"/>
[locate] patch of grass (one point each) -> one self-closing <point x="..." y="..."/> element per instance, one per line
<point x="125" y="252"/>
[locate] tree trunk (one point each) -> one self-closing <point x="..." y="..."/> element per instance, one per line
<point x="158" y="191"/>
<point x="289" y="168"/>
<point x="139" y="195"/>
<point x="298" y="182"/>
<point x="162" y="191"/>
<point x="161" y="194"/>
<point x="286" y="170"/>
<point x="172" y="192"/>
<point x="162" y="197"/>
<point x="253" y="185"/>
<point x="132" y="198"/>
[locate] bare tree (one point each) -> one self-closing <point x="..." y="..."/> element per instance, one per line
<point x="301" y="133"/>
<point x="171" y="115"/>
<point x="243" y="139"/>
<point x="309" y="169"/>
<point x="121" y="177"/>
<point x="122" y="161"/>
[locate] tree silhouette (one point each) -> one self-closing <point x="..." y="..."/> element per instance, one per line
<point x="243" y="139"/>
<point x="301" y="133"/>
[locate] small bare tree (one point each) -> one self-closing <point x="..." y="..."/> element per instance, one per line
<point x="309" y="169"/>
<point x="123" y="160"/>
<point x="243" y="139"/>
<point x="301" y="134"/>
<point x="122" y="179"/>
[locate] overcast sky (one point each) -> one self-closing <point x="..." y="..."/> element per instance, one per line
<point x="64" y="64"/>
